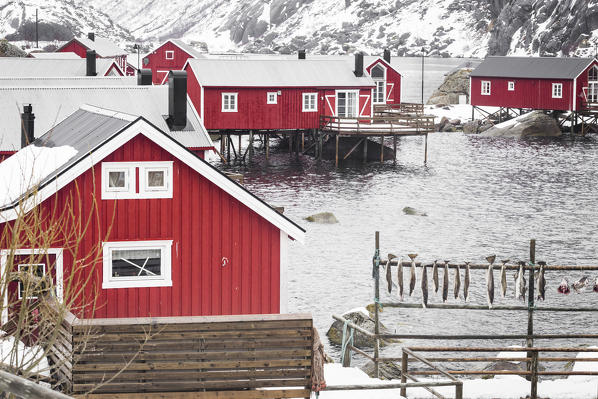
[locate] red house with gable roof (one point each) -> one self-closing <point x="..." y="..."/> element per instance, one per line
<point x="103" y="47"/>
<point x="169" y="56"/>
<point x="387" y="80"/>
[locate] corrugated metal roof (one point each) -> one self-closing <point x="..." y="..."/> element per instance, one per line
<point x="277" y="73"/>
<point x="68" y="81"/>
<point x="102" y="46"/>
<point x="531" y="67"/>
<point x="51" y="105"/>
<point x="188" y="48"/>
<point x="43" y="67"/>
<point x="67" y="55"/>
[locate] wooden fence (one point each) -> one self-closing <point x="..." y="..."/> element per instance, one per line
<point x="199" y="357"/>
<point x="389" y="125"/>
<point x="403" y="107"/>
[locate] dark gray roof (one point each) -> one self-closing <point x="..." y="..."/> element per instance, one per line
<point x="531" y="67"/>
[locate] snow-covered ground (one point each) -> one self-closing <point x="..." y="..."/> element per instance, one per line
<point x="456" y="111"/>
<point x="505" y="387"/>
<point x="16" y="354"/>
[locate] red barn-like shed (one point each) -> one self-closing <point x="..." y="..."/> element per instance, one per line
<point x="178" y="237"/>
<point x="545" y="83"/>
<point x="277" y="94"/>
<point x="169" y="56"/>
<point x="103" y="47"/>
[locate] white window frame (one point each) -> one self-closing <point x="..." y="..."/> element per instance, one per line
<point x="557" y="90"/>
<point x="486" y="88"/>
<point x="165" y="278"/>
<point x="315" y="102"/>
<point x="20" y="282"/>
<point x="171" y="53"/>
<point x="272" y="97"/>
<point x="232" y="95"/>
<point x="132" y="169"/>
<point x="511" y="86"/>
<point x="375" y="91"/>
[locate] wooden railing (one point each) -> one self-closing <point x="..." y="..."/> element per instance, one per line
<point x="403" y="107"/>
<point x="396" y="124"/>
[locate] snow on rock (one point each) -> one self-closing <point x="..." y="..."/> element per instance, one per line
<point x="15" y="354"/>
<point x="361" y="310"/>
<point x="519" y="355"/>
<point x="28" y="167"/>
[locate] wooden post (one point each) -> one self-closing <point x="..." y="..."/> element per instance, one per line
<point x="302" y="141"/>
<point x="250" y="144"/>
<point x="239" y="148"/>
<point x="222" y="143"/>
<point x="404" y="366"/>
<point x="381" y="148"/>
<point x="296" y="143"/>
<point x="459" y="391"/>
<point x="320" y="145"/>
<point x="290" y="139"/>
<point x="24" y="388"/>
<point x="336" y="151"/>
<point x="394" y="148"/>
<point x="365" y="150"/>
<point x="228" y="148"/>
<point x="426" y="149"/>
<point x="267" y="138"/>
<point x="534" y="370"/>
<point x="347" y="355"/>
<point x="376" y="301"/>
<point x="530" y="304"/>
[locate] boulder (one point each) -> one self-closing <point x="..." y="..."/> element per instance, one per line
<point x="386" y="371"/>
<point x="503" y="365"/>
<point x="363" y="319"/>
<point x="532" y="124"/>
<point x="455" y="85"/>
<point x="413" y="212"/>
<point x="472" y="127"/>
<point x="322" y="218"/>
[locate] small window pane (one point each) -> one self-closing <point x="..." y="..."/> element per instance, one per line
<point x="38" y="270"/>
<point x="155" y="178"/>
<point x="117" y="179"/>
<point x="136" y="262"/>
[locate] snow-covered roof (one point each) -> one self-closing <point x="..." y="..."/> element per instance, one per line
<point x="67" y="55"/>
<point x="85" y="138"/>
<point x="102" y="46"/>
<point x="68" y="81"/>
<point x="53" y="104"/>
<point x="188" y="48"/>
<point x="532" y="67"/>
<point x="277" y="73"/>
<point x="40" y="67"/>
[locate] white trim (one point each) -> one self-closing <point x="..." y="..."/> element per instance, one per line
<point x="511" y="85"/>
<point x="311" y="94"/>
<point x="235" y="96"/>
<point x="364" y="105"/>
<point x="202" y="104"/>
<point x="575" y="94"/>
<point x="356" y="100"/>
<point x="284" y="267"/>
<point x="586" y="67"/>
<point x="489" y="87"/>
<point x="374" y="96"/>
<point x="171" y="52"/>
<point x="165" y="78"/>
<point x="392" y="86"/>
<point x="169" y="144"/>
<point x="59" y="271"/>
<point x="155" y="192"/>
<point x="272" y="93"/>
<point x="128" y="191"/>
<point x="163" y="280"/>
<point x="133" y="169"/>
<point x="169" y="41"/>
<point x="560" y="86"/>
<point x="385" y="64"/>
<point x="327" y="97"/>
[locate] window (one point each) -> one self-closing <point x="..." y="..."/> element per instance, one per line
<point x="170" y="55"/>
<point x="485" y="87"/>
<point x="557" y="90"/>
<point x="593" y="73"/>
<point x="380" y="92"/>
<point x="310" y="102"/>
<point x="119" y="180"/>
<point x="37" y="270"/>
<point x="378" y="72"/>
<point x="229" y="102"/>
<point x="272" y="97"/>
<point x="511" y="86"/>
<point x="129" y="264"/>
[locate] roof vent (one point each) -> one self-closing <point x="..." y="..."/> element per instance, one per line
<point x="177" y="100"/>
<point x="91" y="36"/>
<point x="358" y="65"/>
<point x="387" y="55"/>
<point x="301" y="54"/>
<point x="90" y="57"/>
<point x="27" y="126"/>
<point x="144" y="77"/>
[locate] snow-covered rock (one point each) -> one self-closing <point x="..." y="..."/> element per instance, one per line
<point x="532" y="124"/>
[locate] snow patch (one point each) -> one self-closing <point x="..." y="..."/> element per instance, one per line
<point x="14" y="353"/>
<point x="361" y="310"/>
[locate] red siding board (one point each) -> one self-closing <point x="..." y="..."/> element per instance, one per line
<point x="157" y="60"/>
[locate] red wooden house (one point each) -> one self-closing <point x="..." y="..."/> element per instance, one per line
<point x="277" y="94"/>
<point x="169" y="56"/>
<point x="387" y="80"/>
<point x="178" y="237"/>
<point x="103" y="47"/>
<point x="544" y="83"/>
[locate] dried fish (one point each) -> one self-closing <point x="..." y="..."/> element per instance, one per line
<point x="503" y="277"/>
<point x="580" y="286"/>
<point x="425" y="286"/>
<point x="435" y="275"/>
<point x="541" y="282"/>
<point x="389" y="272"/>
<point x="520" y="283"/>
<point x="413" y="278"/>
<point x="457" y="282"/>
<point x="400" y="277"/>
<point x="445" y="282"/>
<point x="490" y="280"/>
<point x="596" y="285"/>
<point x="466" y="282"/>
<point x="564" y="286"/>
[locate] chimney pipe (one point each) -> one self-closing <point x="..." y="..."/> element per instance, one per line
<point x="91" y="36"/>
<point x="387" y="55"/>
<point x="177" y="100"/>
<point x="27" y="128"/>
<point x="358" y="65"/>
<point x="144" y="77"/>
<point x="91" y="63"/>
<point x="301" y="54"/>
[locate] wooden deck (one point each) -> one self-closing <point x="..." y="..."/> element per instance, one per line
<point x="388" y="125"/>
<point x="405" y="108"/>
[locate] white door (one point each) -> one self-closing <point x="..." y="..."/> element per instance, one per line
<point x="346" y="104"/>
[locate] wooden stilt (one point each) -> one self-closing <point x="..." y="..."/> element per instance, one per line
<point x="365" y="150"/>
<point x="394" y="149"/>
<point x="426" y="149"/>
<point x="228" y="148"/>
<point x="239" y="147"/>
<point x="250" y="144"/>
<point x="320" y="145"/>
<point x="381" y="148"/>
<point x="302" y="141"/>
<point x="472" y="113"/>
<point x="296" y="140"/>
<point x="353" y="149"/>
<point x="267" y="145"/>
<point x="222" y="143"/>
<point x="290" y="139"/>
<point x="336" y="151"/>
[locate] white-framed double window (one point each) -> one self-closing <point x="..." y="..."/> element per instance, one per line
<point x="131" y="264"/>
<point x="310" y="102"/>
<point x="169" y="55"/>
<point x="486" y="87"/>
<point x="272" y="97"/>
<point x="557" y="90"/>
<point x="378" y="73"/>
<point x="229" y="102"/>
<point x="119" y="180"/>
<point x="511" y="86"/>
<point x="37" y="270"/>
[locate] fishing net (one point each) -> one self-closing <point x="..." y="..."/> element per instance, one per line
<point x="317" y="366"/>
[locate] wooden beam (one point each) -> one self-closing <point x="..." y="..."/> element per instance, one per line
<point x="24" y="388"/>
<point x="353" y="148"/>
<point x="336" y="151"/>
<point x="253" y="394"/>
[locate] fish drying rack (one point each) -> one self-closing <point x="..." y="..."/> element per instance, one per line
<point x="532" y="358"/>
